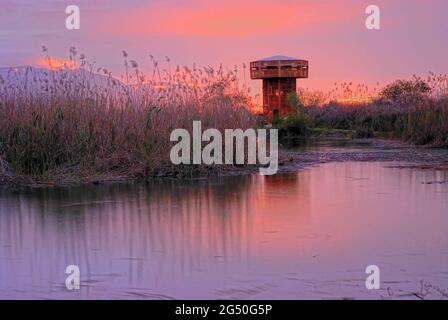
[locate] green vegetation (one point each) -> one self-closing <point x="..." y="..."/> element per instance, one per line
<point x="298" y="125"/>
<point x="295" y="126"/>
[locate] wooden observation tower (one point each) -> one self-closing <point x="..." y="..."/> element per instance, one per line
<point x="279" y="74"/>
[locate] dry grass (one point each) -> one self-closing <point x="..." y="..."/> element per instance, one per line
<point x="416" y="117"/>
<point x="82" y="124"/>
<point x="74" y="123"/>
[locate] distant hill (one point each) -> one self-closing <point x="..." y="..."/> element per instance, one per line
<point x="37" y="79"/>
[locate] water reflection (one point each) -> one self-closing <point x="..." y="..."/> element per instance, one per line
<point x="304" y="235"/>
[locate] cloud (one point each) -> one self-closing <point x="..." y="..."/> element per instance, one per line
<point x="224" y="19"/>
<point x="54" y="63"/>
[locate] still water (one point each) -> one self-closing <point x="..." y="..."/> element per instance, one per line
<point x="309" y="234"/>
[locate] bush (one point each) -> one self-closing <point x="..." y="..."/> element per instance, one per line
<point x="295" y="126"/>
<point x="363" y="132"/>
<point x="406" y="91"/>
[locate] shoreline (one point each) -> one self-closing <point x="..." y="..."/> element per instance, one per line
<point x="323" y="150"/>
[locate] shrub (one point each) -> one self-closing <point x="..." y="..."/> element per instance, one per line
<point x="406" y="91"/>
<point x="294" y="126"/>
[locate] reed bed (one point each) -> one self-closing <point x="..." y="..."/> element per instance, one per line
<point x="80" y="121"/>
<point x="414" y="110"/>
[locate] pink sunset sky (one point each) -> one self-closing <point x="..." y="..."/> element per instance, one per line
<point x="330" y="34"/>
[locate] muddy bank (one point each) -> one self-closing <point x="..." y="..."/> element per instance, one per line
<point x="338" y="150"/>
<point x="333" y="149"/>
<point x="73" y="176"/>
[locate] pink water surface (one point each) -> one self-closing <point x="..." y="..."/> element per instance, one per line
<point x="307" y="235"/>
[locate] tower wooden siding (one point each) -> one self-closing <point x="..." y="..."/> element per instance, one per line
<point x="279" y="76"/>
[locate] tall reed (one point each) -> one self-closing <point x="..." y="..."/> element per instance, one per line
<point x="82" y="118"/>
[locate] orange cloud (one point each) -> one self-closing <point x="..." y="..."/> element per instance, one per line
<point x="54" y="63"/>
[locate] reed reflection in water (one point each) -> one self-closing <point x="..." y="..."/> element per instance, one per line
<point x="303" y="235"/>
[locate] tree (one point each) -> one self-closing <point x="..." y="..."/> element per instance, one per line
<point x="406" y="91"/>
